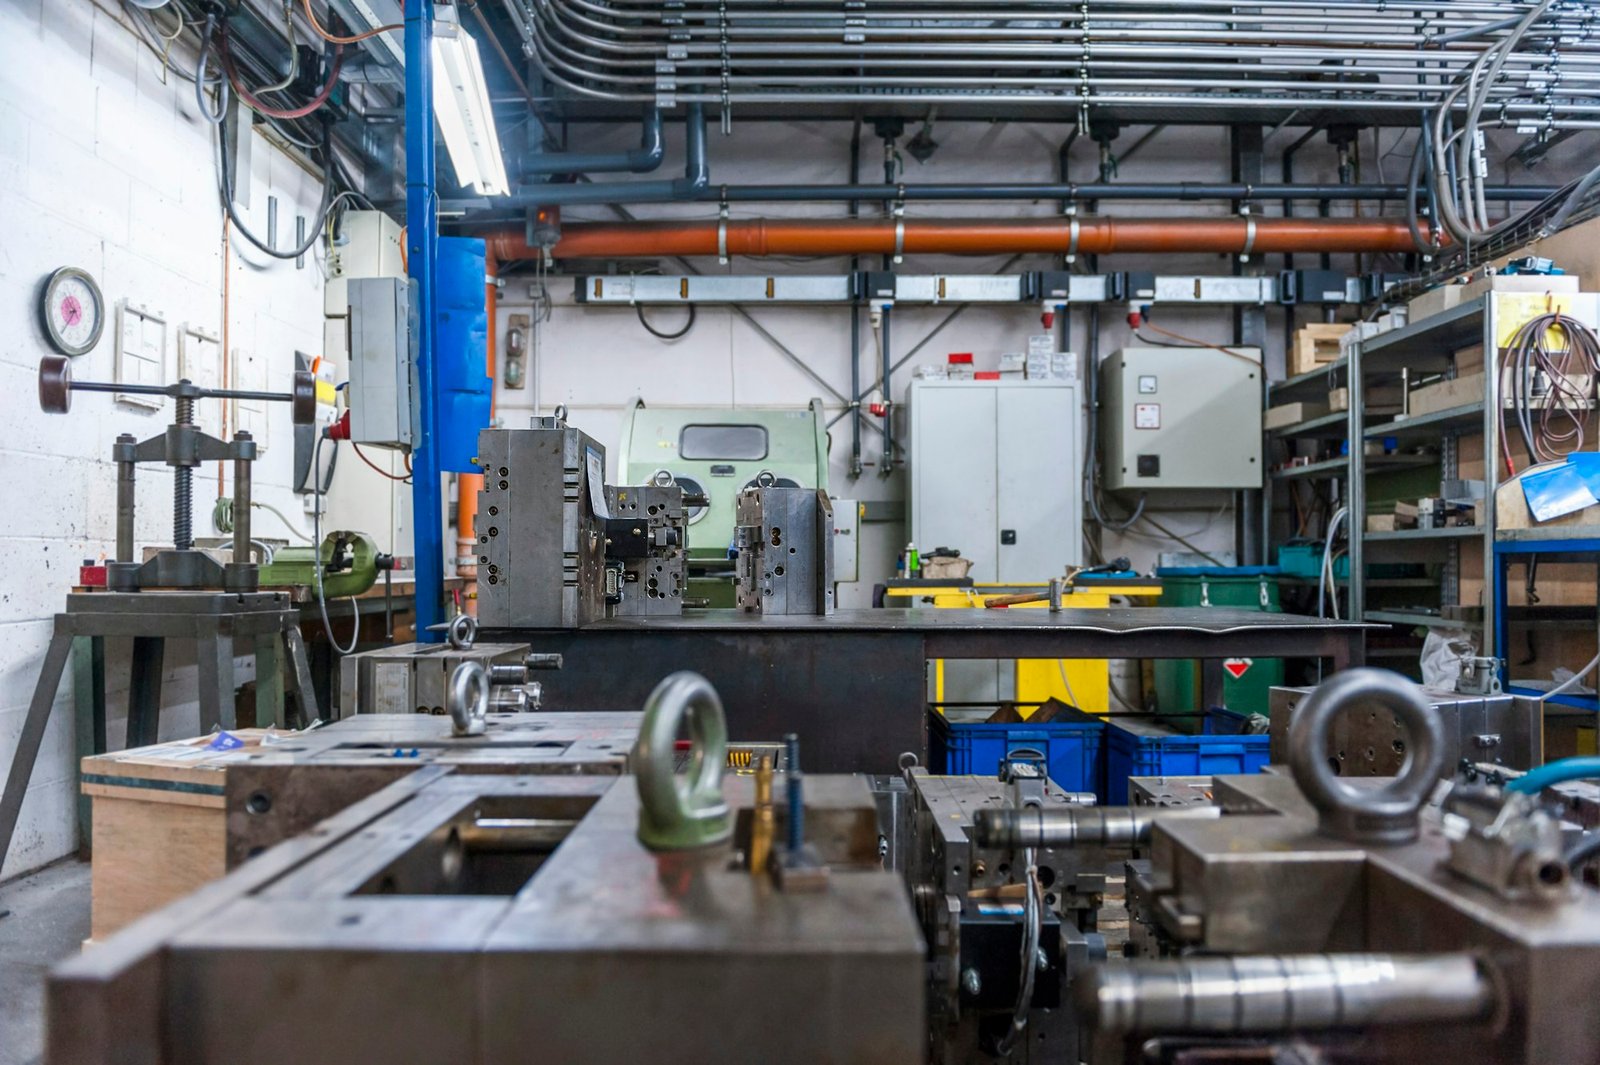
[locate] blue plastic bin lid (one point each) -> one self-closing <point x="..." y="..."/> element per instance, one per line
<point x="1219" y="571"/>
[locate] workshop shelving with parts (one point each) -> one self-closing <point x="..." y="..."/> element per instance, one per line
<point x="1429" y="403"/>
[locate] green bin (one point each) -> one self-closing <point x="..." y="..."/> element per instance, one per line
<point x="1178" y="680"/>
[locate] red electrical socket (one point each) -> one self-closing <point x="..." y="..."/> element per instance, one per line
<point x="1048" y="319"/>
<point x="340" y="430"/>
<point x="878" y="410"/>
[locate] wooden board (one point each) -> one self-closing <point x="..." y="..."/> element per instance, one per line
<point x="160" y="829"/>
<point x="148" y="854"/>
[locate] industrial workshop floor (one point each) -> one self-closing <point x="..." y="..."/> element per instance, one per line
<point x="45" y="919"/>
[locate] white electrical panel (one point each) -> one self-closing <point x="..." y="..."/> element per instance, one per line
<point x="248" y="372"/>
<point x="141" y="353"/>
<point x="996" y="473"/>
<point x="1181" y="418"/>
<point x="200" y="361"/>
<point x="381" y="368"/>
<point x="370" y="248"/>
<point x="846" y="540"/>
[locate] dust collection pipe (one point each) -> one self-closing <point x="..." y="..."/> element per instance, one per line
<point x="640" y="160"/>
<point x="1042" y="236"/>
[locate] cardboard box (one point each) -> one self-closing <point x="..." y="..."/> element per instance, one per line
<point x="1381" y="523"/>
<point x="1012" y="360"/>
<point x="1315" y="345"/>
<point x="1041" y="343"/>
<point x="1292" y="414"/>
<point x="1446" y="297"/>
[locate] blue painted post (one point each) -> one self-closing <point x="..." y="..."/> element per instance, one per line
<point x="422" y="238"/>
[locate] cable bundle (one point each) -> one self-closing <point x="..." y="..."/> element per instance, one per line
<point x="1559" y="347"/>
<point x="1460" y="163"/>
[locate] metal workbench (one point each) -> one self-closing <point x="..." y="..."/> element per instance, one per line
<point x="852" y="684"/>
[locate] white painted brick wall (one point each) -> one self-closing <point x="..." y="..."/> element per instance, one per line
<point x="105" y="165"/>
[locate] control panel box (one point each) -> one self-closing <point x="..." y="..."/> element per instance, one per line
<point x="1181" y="418"/>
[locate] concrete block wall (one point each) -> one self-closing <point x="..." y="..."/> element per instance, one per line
<point x="106" y="165"/>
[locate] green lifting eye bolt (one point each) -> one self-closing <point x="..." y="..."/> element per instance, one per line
<point x="682" y="812"/>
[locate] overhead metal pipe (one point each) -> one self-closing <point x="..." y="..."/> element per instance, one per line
<point x="1177" y="191"/>
<point x="696" y="176"/>
<point x="640" y="160"/>
<point x="1044" y="236"/>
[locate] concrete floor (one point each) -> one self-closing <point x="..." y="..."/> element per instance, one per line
<point x="48" y="921"/>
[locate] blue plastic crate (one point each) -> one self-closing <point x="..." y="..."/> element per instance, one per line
<point x="1071" y="748"/>
<point x="1138" y="750"/>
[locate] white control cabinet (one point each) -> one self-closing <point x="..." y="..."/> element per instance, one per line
<point x="997" y="472"/>
<point x="1181" y="418"/>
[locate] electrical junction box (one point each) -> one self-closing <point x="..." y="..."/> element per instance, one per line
<point x="846" y="540"/>
<point x="1181" y="418"/>
<point x="369" y="247"/>
<point x="382" y="369"/>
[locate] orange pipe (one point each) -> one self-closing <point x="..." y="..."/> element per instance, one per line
<point x="1053" y="236"/>
<point x="468" y="485"/>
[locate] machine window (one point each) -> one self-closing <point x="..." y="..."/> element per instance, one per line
<point x="723" y="442"/>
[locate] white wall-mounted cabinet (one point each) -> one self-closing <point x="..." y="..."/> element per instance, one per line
<point x="996" y="472"/>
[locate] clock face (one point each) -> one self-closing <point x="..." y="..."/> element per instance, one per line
<point x="74" y="313"/>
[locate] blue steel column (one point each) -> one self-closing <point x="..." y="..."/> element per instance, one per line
<point x="422" y="238"/>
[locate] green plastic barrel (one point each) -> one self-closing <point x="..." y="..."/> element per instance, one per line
<point x="1178" y="681"/>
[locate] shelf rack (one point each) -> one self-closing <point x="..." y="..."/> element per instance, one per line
<point x="1428" y="346"/>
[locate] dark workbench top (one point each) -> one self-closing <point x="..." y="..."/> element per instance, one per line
<point x="947" y="620"/>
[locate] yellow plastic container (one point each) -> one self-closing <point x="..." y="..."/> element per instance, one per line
<point x="1081" y="682"/>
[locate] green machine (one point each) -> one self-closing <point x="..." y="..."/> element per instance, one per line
<point x="1246" y="682"/>
<point x="351" y="563"/>
<point x="718" y="452"/>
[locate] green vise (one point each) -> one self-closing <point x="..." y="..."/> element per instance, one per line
<point x="350" y="565"/>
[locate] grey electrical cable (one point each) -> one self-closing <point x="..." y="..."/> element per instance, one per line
<point x="316" y="565"/>
<point x="225" y="185"/>
<point x="1325" y="574"/>
<point x="1030" y="954"/>
<point x="1572" y="681"/>
<point x="1583" y="851"/>
<point x="214" y="117"/>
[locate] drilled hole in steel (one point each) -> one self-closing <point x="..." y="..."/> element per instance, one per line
<point x="259" y="803"/>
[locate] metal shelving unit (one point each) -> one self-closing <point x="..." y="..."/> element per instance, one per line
<point x="1423" y="347"/>
<point x="1428" y="346"/>
<point x="1570" y="543"/>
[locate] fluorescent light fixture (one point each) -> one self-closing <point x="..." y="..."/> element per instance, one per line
<point x="461" y="104"/>
<point x="366" y="15"/>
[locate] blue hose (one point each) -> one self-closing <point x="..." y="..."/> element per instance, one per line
<point x="1536" y="780"/>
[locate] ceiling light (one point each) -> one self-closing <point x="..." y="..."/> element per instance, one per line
<point x="461" y="104"/>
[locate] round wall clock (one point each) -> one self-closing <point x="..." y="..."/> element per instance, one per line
<point x="73" y="311"/>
